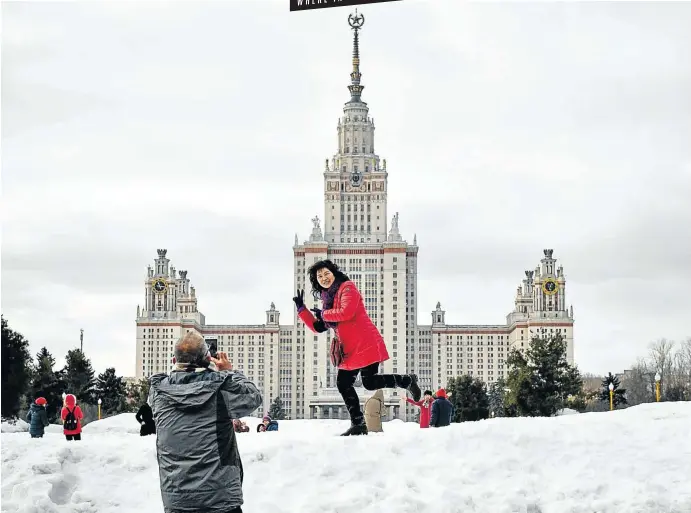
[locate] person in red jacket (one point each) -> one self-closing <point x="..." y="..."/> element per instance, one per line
<point x="362" y="347"/>
<point x="72" y="416"/>
<point x="425" y="407"/>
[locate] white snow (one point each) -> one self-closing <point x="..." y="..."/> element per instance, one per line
<point x="636" y="460"/>
<point x="566" y="411"/>
<point x="19" y="426"/>
<point x="14" y="426"/>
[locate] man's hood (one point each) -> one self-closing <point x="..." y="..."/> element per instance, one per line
<point x="70" y="400"/>
<point x="35" y="407"/>
<point x="183" y="395"/>
<point x="379" y="394"/>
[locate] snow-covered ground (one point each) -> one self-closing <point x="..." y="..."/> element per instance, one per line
<point x="631" y="461"/>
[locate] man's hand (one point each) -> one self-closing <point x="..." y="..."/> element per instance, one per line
<point x="222" y="362"/>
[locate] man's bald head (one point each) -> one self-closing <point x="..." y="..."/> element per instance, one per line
<point x="191" y="348"/>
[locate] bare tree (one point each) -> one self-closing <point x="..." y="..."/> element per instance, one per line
<point x="639" y="382"/>
<point x="661" y="356"/>
<point x="679" y="382"/>
<point x="684" y="362"/>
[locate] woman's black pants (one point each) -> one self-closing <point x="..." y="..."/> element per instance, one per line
<point x="371" y="380"/>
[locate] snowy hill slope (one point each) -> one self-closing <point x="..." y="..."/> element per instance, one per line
<point x="632" y="461"/>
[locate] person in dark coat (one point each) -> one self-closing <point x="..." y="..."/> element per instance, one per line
<point x="37" y="418"/>
<point x="145" y="417"/>
<point x="442" y="410"/>
<point x="200" y="468"/>
<point x="269" y="425"/>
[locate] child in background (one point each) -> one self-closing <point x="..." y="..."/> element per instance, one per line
<point x="37" y="418"/>
<point x="425" y="405"/>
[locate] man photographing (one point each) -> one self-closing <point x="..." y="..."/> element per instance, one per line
<point x="198" y="458"/>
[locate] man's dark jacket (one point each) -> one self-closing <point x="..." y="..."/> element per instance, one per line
<point x="198" y="459"/>
<point x="442" y="410"/>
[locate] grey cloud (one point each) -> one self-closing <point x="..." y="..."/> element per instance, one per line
<point x="507" y="128"/>
<point x="101" y="252"/>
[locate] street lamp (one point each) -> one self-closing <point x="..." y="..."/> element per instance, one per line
<point x="611" y="396"/>
<point x="657" y="386"/>
<point x="99" y="408"/>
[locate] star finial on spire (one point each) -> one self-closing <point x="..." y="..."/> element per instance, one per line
<point x="356" y="21"/>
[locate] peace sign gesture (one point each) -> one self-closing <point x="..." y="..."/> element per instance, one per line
<point x="299" y="299"/>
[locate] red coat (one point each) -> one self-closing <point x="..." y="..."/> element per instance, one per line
<point x="363" y="345"/>
<point x="425" y="411"/>
<point x="70" y="402"/>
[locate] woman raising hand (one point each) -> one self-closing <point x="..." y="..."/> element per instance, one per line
<point x="358" y="347"/>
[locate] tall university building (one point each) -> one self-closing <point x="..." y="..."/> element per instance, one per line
<point x="290" y="361"/>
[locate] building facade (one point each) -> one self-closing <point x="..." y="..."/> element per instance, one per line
<point x="291" y="362"/>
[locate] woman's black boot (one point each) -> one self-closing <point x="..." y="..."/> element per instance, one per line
<point x="357" y="427"/>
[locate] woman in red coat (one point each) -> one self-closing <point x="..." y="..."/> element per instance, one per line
<point x="71" y="416"/>
<point x="363" y="347"/>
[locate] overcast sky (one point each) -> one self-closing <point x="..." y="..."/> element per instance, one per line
<point x="203" y="128"/>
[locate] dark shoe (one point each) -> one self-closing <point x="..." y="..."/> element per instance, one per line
<point x="356" y="429"/>
<point x="413" y="388"/>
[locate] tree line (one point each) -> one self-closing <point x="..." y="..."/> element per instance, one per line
<point x="25" y="378"/>
<point x="541" y="382"/>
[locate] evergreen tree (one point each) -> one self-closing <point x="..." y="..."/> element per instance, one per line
<point x="469" y="398"/>
<point x="15" y="370"/>
<point x="496" y="398"/>
<point x="619" y="396"/>
<point x="540" y="379"/>
<point x="276" y="409"/>
<point x="79" y="377"/>
<point x="111" y="390"/>
<point x="47" y="383"/>
<point x="579" y="402"/>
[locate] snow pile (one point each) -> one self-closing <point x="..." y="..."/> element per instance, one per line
<point x="566" y="411"/>
<point x="633" y="460"/>
<point x="125" y="423"/>
<point x="19" y="426"/>
<point x="14" y="426"/>
<point x="54" y="428"/>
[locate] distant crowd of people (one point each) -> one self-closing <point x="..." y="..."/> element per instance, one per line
<point x="435" y="410"/>
<point x="267" y="424"/>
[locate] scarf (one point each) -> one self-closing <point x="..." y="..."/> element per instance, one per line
<point x="328" y="297"/>
<point x="193" y="367"/>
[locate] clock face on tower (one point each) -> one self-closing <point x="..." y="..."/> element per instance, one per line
<point x="159" y="286"/>
<point x="550" y="287"/>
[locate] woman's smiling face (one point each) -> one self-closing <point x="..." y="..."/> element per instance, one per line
<point x="325" y="278"/>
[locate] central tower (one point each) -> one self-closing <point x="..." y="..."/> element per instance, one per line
<point x="355" y="184"/>
<point x="372" y="252"/>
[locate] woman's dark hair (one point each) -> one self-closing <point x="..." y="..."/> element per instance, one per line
<point x="428" y="392"/>
<point x="324" y="264"/>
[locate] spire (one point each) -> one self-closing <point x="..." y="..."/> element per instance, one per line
<point x="356" y="21"/>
